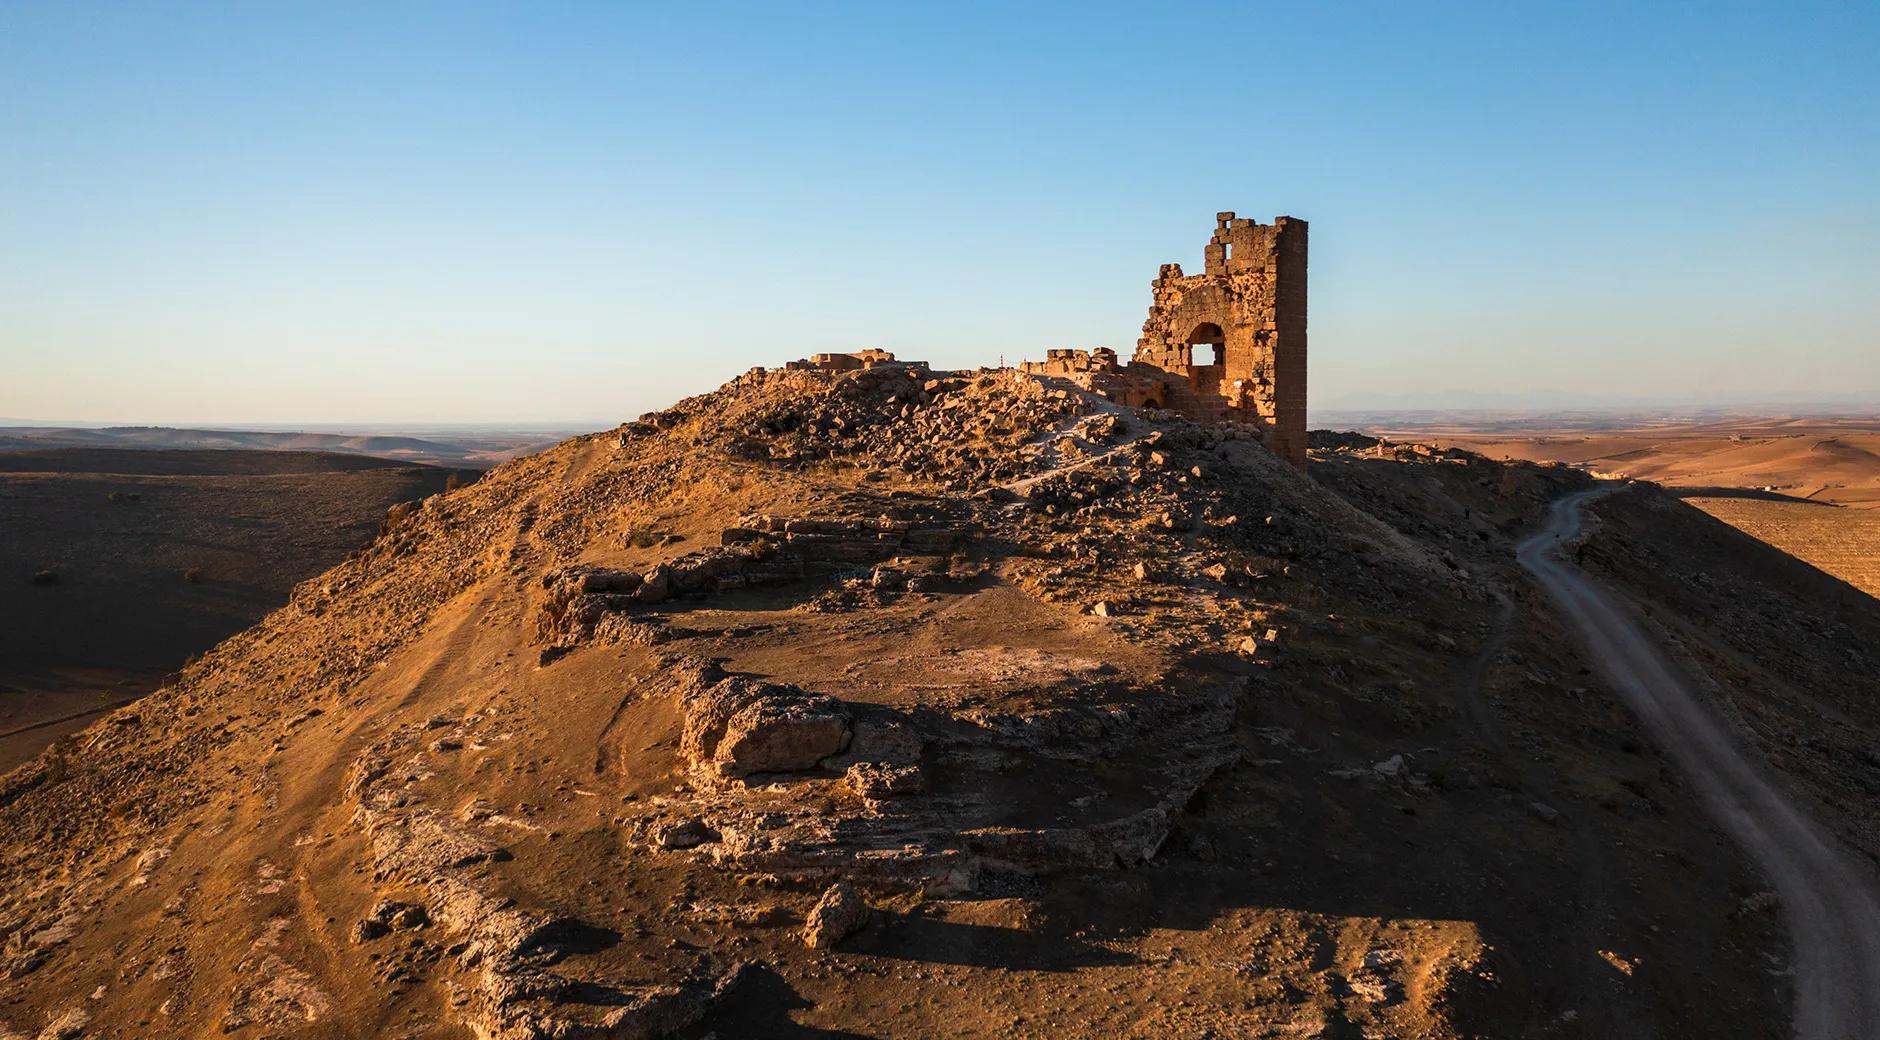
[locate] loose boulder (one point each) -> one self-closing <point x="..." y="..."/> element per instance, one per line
<point x="779" y="735"/>
<point x="738" y="726"/>
<point x="655" y="585"/>
<point x="840" y="913"/>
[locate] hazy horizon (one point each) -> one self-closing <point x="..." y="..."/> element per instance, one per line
<point x="494" y="215"/>
<point x="1461" y="404"/>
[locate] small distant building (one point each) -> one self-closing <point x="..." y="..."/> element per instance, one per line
<point x="866" y="358"/>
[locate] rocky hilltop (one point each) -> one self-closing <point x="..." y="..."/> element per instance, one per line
<point x="902" y="703"/>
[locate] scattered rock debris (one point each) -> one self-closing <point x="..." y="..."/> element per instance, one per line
<point x="613" y="741"/>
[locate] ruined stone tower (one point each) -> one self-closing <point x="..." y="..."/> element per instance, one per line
<point x="1235" y="334"/>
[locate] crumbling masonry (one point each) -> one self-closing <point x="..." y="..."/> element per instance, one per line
<point x="1225" y="345"/>
<point x="1245" y="316"/>
<point x="1228" y="344"/>
<point x="868" y="358"/>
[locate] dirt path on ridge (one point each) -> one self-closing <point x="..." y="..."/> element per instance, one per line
<point x="1829" y="900"/>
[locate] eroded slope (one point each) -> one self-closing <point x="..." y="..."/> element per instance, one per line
<point x="1116" y="725"/>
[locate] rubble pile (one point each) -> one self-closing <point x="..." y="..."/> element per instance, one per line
<point x="952" y="428"/>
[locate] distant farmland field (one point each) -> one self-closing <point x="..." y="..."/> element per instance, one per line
<point x="1843" y="542"/>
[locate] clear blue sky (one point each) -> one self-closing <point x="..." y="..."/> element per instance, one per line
<point x="418" y="212"/>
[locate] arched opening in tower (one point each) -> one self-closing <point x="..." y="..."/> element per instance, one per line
<point x="1209" y="335"/>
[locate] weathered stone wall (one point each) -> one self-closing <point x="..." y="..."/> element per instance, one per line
<point x="1072" y="363"/>
<point x="866" y="358"/>
<point x="1132" y="385"/>
<point x="1245" y="316"/>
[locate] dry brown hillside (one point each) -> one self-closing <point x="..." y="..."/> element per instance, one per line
<point x="910" y="704"/>
<point x="118" y="565"/>
<point x="1823" y="460"/>
<point x="1807" y="487"/>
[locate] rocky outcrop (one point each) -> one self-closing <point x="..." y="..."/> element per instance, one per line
<point x="587" y="602"/>
<point x="504" y="948"/>
<point x="851" y="539"/>
<point x="736" y="727"/>
<point x="954" y="429"/>
<point x="874" y="782"/>
<point x="578" y="599"/>
<point x="926" y="801"/>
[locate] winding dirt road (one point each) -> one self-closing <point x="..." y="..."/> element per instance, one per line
<point x="1830" y="899"/>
